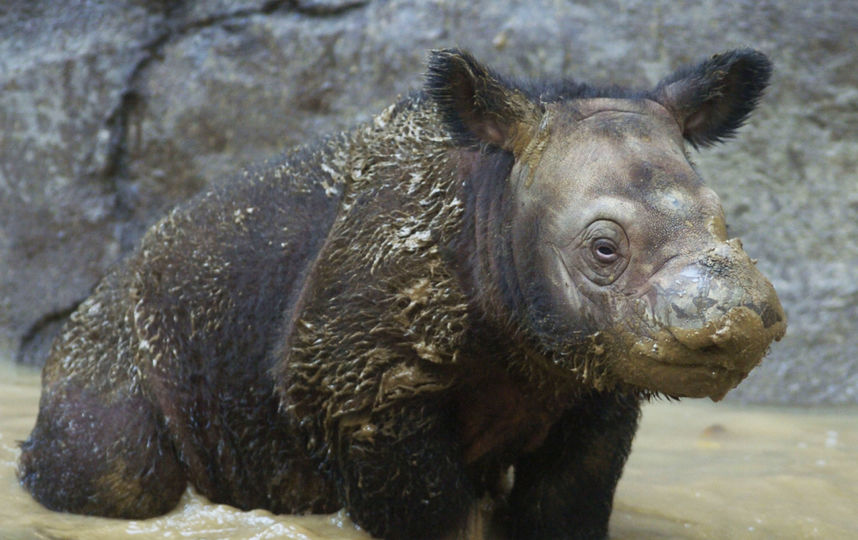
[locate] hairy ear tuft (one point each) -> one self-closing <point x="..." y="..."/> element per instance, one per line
<point x="477" y="106"/>
<point x="712" y="99"/>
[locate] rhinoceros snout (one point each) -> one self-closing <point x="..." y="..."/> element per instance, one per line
<point x="700" y="293"/>
<point x="736" y="341"/>
<point x="711" y="321"/>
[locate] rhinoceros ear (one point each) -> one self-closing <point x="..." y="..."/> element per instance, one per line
<point x="477" y="105"/>
<point x="714" y="98"/>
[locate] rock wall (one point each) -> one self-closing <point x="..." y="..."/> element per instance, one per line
<point x="112" y="111"/>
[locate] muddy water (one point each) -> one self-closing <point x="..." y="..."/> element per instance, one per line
<point x="697" y="471"/>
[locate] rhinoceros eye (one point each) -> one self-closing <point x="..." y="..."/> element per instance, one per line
<point x="605" y="250"/>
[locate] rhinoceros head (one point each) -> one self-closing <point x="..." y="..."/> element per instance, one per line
<point x="614" y="254"/>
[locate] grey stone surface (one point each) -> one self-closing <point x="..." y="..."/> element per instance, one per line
<point x="111" y="112"/>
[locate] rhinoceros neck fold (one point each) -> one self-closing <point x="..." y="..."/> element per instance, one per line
<point x="385" y="260"/>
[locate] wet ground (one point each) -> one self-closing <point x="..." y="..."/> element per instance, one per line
<point x="698" y="470"/>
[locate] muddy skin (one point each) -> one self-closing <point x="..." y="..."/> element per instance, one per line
<point x="697" y="316"/>
<point x="489" y="275"/>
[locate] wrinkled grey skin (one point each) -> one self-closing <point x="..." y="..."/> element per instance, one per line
<point x="686" y="304"/>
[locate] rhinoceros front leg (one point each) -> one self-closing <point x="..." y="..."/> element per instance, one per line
<point x="565" y="488"/>
<point x="401" y="474"/>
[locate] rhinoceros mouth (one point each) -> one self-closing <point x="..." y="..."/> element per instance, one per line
<point x="700" y="362"/>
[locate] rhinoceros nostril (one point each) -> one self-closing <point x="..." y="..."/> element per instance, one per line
<point x="710" y="349"/>
<point x="768" y="314"/>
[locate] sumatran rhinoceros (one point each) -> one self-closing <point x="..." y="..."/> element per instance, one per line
<point x="483" y="282"/>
